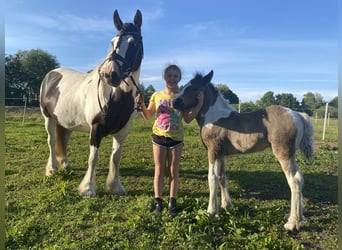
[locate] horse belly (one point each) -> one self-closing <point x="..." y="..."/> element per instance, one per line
<point x="223" y="141"/>
<point x="247" y="143"/>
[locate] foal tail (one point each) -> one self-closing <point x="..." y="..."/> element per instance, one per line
<point x="306" y="143"/>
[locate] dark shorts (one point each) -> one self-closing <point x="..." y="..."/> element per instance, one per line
<point x="165" y="141"/>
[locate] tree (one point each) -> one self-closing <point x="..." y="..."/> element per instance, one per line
<point x="309" y="103"/>
<point x="247" y="107"/>
<point x="25" y="71"/>
<point x="287" y="100"/>
<point x="267" y="100"/>
<point x="15" y="80"/>
<point x="319" y="100"/>
<point x="147" y="93"/>
<point x="227" y="93"/>
<point x="334" y="102"/>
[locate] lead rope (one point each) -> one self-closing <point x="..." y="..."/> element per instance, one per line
<point x="136" y="86"/>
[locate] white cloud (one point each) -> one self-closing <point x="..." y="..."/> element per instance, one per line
<point x="68" y="22"/>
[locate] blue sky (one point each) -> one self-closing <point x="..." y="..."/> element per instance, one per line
<point x="253" y="46"/>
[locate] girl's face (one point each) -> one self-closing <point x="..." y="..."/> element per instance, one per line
<point x="172" y="77"/>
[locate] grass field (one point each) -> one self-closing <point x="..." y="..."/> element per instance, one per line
<point x="48" y="213"/>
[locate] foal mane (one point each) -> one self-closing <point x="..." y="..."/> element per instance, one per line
<point x="198" y="79"/>
<point x="210" y="90"/>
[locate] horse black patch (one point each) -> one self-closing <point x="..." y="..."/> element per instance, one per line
<point x="113" y="117"/>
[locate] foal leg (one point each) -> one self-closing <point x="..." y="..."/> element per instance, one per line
<point x="62" y="138"/>
<point x="295" y="180"/>
<point x="213" y="175"/>
<point x="113" y="184"/>
<point x="225" y="198"/>
<point x="51" y="166"/>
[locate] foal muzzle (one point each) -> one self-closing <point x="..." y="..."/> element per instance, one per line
<point x="178" y="104"/>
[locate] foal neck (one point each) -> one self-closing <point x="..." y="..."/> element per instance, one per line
<point x="214" y="107"/>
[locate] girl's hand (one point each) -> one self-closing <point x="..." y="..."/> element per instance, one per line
<point x="139" y="99"/>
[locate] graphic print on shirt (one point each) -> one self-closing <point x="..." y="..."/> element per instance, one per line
<point x="167" y="118"/>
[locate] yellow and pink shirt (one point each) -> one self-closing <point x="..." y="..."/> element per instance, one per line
<point x="169" y="120"/>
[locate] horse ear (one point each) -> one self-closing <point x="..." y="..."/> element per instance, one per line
<point x="138" y="19"/>
<point x="208" y="77"/>
<point x="117" y="21"/>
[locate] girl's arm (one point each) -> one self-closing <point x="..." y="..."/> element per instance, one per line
<point x="189" y="115"/>
<point x="147" y="112"/>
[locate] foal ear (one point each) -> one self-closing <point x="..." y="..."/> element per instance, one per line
<point x="208" y="77"/>
<point x="138" y="19"/>
<point x="117" y="21"/>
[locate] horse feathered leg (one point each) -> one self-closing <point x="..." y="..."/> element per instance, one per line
<point x="295" y="181"/>
<point x="113" y="184"/>
<point x="62" y="138"/>
<point x="51" y="166"/>
<point x="88" y="184"/>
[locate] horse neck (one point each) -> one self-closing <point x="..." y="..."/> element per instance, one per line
<point x="214" y="107"/>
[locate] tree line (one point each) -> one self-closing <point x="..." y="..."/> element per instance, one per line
<point x="25" y="70"/>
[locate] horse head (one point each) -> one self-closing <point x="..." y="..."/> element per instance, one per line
<point x="187" y="98"/>
<point x="126" y="52"/>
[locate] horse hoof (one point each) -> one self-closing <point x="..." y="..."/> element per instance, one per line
<point x="87" y="193"/>
<point x="116" y="189"/>
<point x="66" y="166"/>
<point x="117" y="192"/>
<point x="50" y="172"/>
<point x="213" y="216"/>
<point x="291" y="227"/>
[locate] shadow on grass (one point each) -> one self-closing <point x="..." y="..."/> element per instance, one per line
<point x="267" y="185"/>
<point x="262" y="185"/>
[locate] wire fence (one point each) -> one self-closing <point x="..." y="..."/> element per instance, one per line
<point x="26" y="109"/>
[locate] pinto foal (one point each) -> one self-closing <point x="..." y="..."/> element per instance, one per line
<point x="225" y="132"/>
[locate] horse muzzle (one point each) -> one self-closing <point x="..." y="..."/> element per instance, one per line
<point x="115" y="79"/>
<point x="178" y="104"/>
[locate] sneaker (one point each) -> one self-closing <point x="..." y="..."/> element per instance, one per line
<point x="172" y="207"/>
<point x="158" y="205"/>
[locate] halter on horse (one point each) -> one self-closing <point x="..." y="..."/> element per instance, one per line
<point x="100" y="103"/>
<point x="225" y="132"/>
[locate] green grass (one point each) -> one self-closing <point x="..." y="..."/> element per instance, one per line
<point x="48" y="213"/>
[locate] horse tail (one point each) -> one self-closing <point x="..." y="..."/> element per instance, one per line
<point x="306" y="143"/>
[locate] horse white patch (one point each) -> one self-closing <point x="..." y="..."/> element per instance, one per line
<point x="221" y="109"/>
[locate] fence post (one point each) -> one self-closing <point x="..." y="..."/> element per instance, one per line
<point x="325" y="120"/>
<point x="25" y="102"/>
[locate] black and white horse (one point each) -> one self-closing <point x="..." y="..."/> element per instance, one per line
<point x="100" y="103"/>
<point x="225" y="132"/>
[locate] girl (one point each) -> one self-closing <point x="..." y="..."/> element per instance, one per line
<point x="167" y="135"/>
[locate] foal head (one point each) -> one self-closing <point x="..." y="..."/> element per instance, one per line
<point x="126" y="51"/>
<point x="187" y="98"/>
